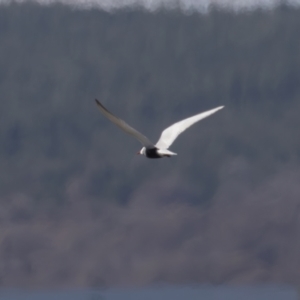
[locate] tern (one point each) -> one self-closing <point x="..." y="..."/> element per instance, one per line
<point x="168" y="136"/>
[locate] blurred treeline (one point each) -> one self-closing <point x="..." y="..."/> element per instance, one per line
<point x="225" y="210"/>
<point x="151" y="69"/>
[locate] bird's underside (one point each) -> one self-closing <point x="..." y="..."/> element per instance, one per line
<point x="152" y="153"/>
<point x="158" y="153"/>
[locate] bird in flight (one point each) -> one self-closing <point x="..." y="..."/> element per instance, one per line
<point x="168" y="136"/>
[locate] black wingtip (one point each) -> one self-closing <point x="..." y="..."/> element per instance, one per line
<point x="101" y="106"/>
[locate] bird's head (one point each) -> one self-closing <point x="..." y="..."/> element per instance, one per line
<point x="142" y="151"/>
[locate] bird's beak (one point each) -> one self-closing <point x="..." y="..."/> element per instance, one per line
<point x="138" y="153"/>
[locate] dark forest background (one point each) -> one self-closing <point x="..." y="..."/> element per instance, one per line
<point x="79" y="208"/>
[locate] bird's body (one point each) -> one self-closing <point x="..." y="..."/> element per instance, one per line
<point x="155" y="152"/>
<point x="168" y="136"/>
<point x="151" y="153"/>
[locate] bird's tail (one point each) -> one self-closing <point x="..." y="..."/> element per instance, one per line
<point x="166" y="152"/>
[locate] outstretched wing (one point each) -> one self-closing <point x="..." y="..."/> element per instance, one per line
<point x="123" y="125"/>
<point x="170" y="134"/>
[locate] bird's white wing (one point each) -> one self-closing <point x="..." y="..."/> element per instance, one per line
<point x="170" y="134"/>
<point x="124" y="126"/>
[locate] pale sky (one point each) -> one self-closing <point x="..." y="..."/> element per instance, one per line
<point x="187" y="5"/>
